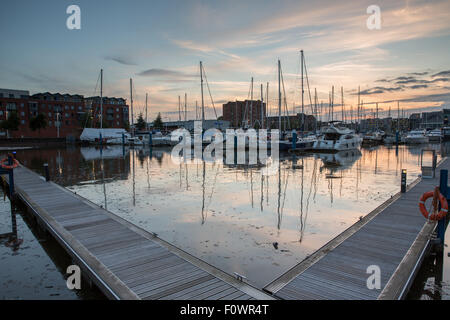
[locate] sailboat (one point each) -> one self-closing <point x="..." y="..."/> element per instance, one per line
<point x="103" y="135"/>
<point x="285" y="142"/>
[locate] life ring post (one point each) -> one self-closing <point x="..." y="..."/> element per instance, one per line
<point x="47" y="173"/>
<point x="403" y="181"/>
<point x="443" y="223"/>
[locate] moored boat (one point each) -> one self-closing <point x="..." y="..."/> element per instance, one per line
<point x="435" y="135"/>
<point x="337" y="139"/>
<point x="416" y="137"/>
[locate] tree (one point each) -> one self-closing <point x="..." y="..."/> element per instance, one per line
<point x="12" y="123"/>
<point x="140" y="124"/>
<point x="37" y="123"/>
<point x="85" y="120"/>
<point x="158" y="124"/>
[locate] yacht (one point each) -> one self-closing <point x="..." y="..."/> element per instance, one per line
<point x="446" y="134"/>
<point x="416" y="137"/>
<point x="337" y="139"/>
<point x="435" y="135"/>
<point x="389" y="139"/>
<point x="373" y="138"/>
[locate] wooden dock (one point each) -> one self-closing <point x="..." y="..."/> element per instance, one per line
<point x="123" y="260"/>
<point x="395" y="237"/>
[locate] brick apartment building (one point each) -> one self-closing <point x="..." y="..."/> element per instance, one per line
<point x="236" y="112"/>
<point x="293" y="122"/>
<point x="64" y="113"/>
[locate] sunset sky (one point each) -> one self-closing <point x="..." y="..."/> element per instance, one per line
<point x="160" y="43"/>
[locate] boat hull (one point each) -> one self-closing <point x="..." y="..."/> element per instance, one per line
<point x="416" y="140"/>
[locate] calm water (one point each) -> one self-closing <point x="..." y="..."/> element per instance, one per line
<point x="32" y="264"/>
<point x="232" y="216"/>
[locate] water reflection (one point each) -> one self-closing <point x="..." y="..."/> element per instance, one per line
<point x="33" y="265"/>
<point x="233" y="216"/>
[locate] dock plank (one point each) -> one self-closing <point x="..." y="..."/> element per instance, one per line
<point x="124" y="261"/>
<point x="392" y="237"/>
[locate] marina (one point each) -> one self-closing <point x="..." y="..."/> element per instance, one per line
<point x="116" y="264"/>
<point x="248" y="155"/>
<point x="288" y="246"/>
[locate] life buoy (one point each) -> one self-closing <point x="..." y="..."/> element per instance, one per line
<point x="4" y="163"/>
<point x="444" y="205"/>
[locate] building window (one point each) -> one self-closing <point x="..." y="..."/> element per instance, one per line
<point x="50" y="123"/>
<point x="118" y="123"/>
<point x="49" y="114"/>
<point x="72" y="107"/>
<point x="22" y="114"/>
<point x="67" y="115"/>
<point x="22" y="121"/>
<point x="11" y="95"/>
<point x="21" y="105"/>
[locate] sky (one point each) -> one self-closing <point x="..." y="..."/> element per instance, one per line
<point x="159" y="44"/>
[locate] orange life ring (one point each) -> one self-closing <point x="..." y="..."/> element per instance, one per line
<point x="434" y="216"/>
<point x="4" y="163"/>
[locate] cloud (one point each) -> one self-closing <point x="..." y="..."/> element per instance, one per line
<point x="121" y="59"/>
<point x="419" y="86"/>
<point x="419" y="73"/>
<point x="155" y="72"/>
<point x="442" y="73"/>
<point x="377" y="90"/>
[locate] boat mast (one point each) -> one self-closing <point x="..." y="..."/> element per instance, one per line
<point x="146" y="112"/>
<point x="267" y="104"/>
<point x="101" y="98"/>
<point x="279" y="95"/>
<point x="359" y="107"/>
<point x="303" y="93"/>
<point x="342" y="104"/>
<point x="251" y="105"/>
<point x="203" y="103"/>
<point x="376" y="120"/>
<point x="185" y="107"/>
<point x="131" y="104"/>
<point x="179" y="108"/>
<point x="332" y="103"/>
<point x="262" y="108"/>
<point x="315" y="108"/>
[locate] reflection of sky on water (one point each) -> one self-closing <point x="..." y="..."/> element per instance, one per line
<point x="34" y="266"/>
<point x="231" y="216"/>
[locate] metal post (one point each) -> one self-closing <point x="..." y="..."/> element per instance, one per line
<point x="47" y="174"/>
<point x="11" y="177"/>
<point x="150" y="139"/>
<point x="294" y="140"/>
<point x="443" y="188"/>
<point x="403" y="181"/>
